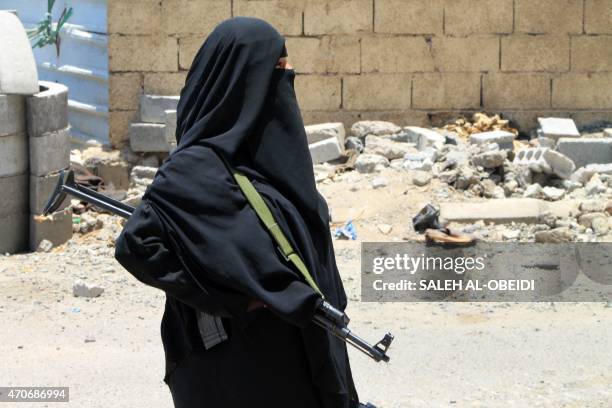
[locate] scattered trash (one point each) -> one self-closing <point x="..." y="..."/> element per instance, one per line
<point x="45" y="246"/>
<point x="347" y="231"/>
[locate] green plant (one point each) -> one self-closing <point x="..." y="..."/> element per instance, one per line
<point x="46" y="31"/>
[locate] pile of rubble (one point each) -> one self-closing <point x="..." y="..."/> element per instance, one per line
<point x="556" y="186"/>
<point x="518" y="176"/>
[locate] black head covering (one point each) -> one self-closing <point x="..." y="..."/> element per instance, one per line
<point x="238" y="106"/>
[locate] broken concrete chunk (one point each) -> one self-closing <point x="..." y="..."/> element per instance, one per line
<point x="421" y="178"/>
<point x="325" y="150"/>
<point x="556" y="128"/>
<point x="505" y="140"/>
<point x="424" y="137"/>
<point x="369" y="163"/>
<point x="586" y="151"/>
<point x="490" y="159"/>
<point x="84" y="289"/>
<point x="555" y="236"/>
<point x="322" y="131"/>
<point x="374" y="127"/>
<point x="391" y="150"/>
<point x="507" y="210"/>
<point x="544" y="160"/>
<point x="553" y="193"/>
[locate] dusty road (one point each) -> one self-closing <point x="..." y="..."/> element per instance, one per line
<point x="108" y="350"/>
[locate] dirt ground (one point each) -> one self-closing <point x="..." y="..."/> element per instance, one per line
<point x="108" y="349"/>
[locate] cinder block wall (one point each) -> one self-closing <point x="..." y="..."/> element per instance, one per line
<point x="414" y="62"/>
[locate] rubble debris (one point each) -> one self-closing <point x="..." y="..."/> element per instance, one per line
<point x="354" y="143"/>
<point x="584" y="151"/>
<point x="544" y="160"/>
<point x="555" y="236"/>
<point x="45" y="246"/>
<point x="379" y="182"/>
<point x="490" y="159"/>
<point x="556" y="128"/>
<point x="387" y="148"/>
<point x="423" y="137"/>
<point x="84" y="289"/>
<point x="325" y="150"/>
<point x="373" y="127"/>
<point x="369" y="163"/>
<point x="323" y="131"/>
<point x="481" y="122"/>
<point x="421" y="178"/>
<point x="504" y="139"/>
<point x="595" y="186"/>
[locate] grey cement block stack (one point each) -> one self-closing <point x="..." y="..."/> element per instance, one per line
<point x="49" y="152"/>
<point x="18" y="78"/>
<point x="155" y="132"/>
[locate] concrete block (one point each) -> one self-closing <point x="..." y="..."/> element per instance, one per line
<point x="14" y="236"/>
<point x="170" y="123"/>
<point x="50" y="152"/>
<point x="505" y="140"/>
<point x="153" y="107"/>
<point x="40" y="191"/>
<point x="544" y="160"/>
<point x="18" y="73"/>
<point x="14" y="157"/>
<point x="325" y="150"/>
<point x="500" y="211"/>
<point x="585" y="151"/>
<point x="56" y="227"/>
<point x="12" y="114"/>
<point x="47" y="111"/>
<point x="556" y="128"/>
<point x="423" y="137"/>
<point x="373" y="127"/>
<point x="608" y="132"/>
<point x="13" y="195"/>
<point x="322" y="131"/>
<point x="149" y="137"/>
<point x="584" y="174"/>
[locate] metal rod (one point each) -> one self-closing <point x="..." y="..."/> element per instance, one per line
<point x="98" y="202"/>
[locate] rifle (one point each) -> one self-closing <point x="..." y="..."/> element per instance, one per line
<point x="326" y="316"/>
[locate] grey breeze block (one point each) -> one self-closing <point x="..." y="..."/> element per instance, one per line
<point x="47" y="111"/>
<point x="50" y="152"/>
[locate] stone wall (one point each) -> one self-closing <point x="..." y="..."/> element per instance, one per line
<point x="410" y="61"/>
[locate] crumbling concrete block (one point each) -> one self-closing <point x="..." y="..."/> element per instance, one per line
<point x="14" y="156"/>
<point x="41" y="189"/>
<point x="490" y="159"/>
<point x="14" y="236"/>
<point x="56" y="227"/>
<point x="325" y="150"/>
<point x="423" y="137"/>
<point x="584" y="174"/>
<point x="322" y="131"/>
<point x="50" y="152"/>
<point x="47" y="110"/>
<point x="153" y="107"/>
<point x="556" y="128"/>
<point x="13" y="195"/>
<point x="369" y="163"/>
<point x="373" y="127"/>
<point x="505" y="140"/>
<point x="500" y="211"/>
<point x="84" y="289"/>
<point x="585" y="151"/>
<point x="18" y="73"/>
<point x="12" y="114"/>
<point x="385" y="147"/>
<point x="544" y="160"/>
<point x="149" y="137"/>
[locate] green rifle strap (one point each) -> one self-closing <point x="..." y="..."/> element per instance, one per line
<point x="265" y="215"/>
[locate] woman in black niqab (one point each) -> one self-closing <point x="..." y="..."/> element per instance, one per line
<point x="196" y="237"/>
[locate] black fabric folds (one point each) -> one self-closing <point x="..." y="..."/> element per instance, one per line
<point x="237" y="106"/>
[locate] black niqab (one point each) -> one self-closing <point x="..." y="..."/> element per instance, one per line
<point x="237" y="106"/>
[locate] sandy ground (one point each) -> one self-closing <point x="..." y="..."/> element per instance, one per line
<point x="108" y="349"/>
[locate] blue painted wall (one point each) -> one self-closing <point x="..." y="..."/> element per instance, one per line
<point x="82" y="64"/>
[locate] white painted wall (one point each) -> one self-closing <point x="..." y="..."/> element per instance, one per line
<point x="82" y="64"/>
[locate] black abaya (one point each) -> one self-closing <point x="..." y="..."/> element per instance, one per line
<point x="196" y="237"/>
